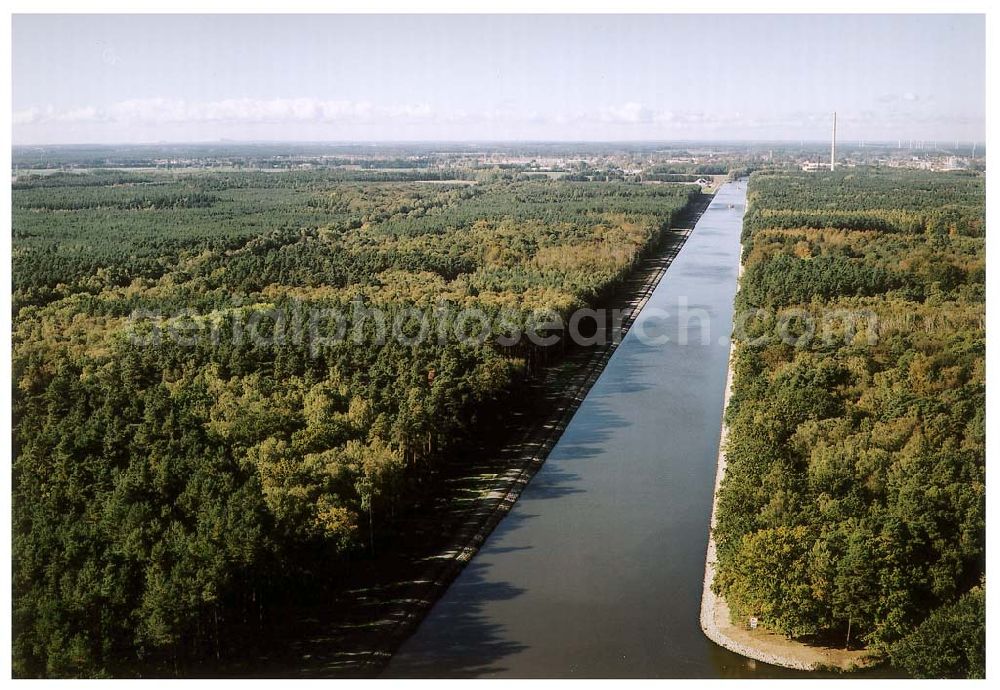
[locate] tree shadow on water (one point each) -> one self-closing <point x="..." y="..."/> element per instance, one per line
<point x="627" y="373"/>
<point x="589" y="435"/>
<point x="458" y="639"/>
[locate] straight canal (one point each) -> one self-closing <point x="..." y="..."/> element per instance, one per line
<point x="597" y="571"/>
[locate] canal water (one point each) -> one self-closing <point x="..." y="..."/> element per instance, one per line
<point x="597" y="570"/>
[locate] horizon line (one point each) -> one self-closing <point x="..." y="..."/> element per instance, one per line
<point x="379" y="142"/>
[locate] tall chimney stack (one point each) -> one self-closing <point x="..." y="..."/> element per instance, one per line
<point x="833" y="145"/>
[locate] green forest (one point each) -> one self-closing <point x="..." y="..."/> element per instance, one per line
<point x="168" y="500"/>
<point x="852" y="511"/>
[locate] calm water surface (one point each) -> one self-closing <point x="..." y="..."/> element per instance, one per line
<point x="598" y="569"/>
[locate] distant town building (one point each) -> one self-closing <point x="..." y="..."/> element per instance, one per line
<point x="809" y="166"/>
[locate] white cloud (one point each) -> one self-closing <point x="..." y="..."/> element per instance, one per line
<point x="905" y="98"/>
<point x="636" y="114"/>
<point x="28" y="116"/>
<point x="631" y="113"/>
<point x="155" y="119"/>
<point x="84" y="114"/>
<point x="158" y="111"/>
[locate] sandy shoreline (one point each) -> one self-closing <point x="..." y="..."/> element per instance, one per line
<point x="758" y="644"/>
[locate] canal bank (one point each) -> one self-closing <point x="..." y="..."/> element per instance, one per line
<point x="758" y="644"/>
<point x="598" y="569"/>
<point x="354" y="631"/>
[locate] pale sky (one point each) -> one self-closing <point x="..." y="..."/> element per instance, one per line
<point x="186" y="78"/>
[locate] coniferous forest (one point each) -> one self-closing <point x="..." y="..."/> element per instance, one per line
<point x="852" y="511"/>
<point x="532" y="344"/>
<point x="170" y="495"/>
